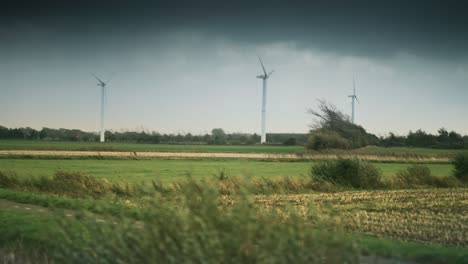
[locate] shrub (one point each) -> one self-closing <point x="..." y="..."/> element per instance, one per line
<point x="348" y="172"/>
<point x="8" y="180"/>
<point x="326" y="140"/>
<point x="70" y="183"/>
<point x="413" y="175"/>
<point x="460" y="163"/>
<point x="76" y="184"/>
<point x="281" y="185"/>
<point x="420" y="175"/>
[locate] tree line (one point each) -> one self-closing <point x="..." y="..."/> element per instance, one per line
<point x="332" y="129"/>
<point x="217" y="136"/>
<point x="443" y="139"/>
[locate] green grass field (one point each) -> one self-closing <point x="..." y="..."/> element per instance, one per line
<point x="172" y="170"/>
<point x="74" y="146"/>
<point x="407" y="151"/>
<point x="96" y="146"/>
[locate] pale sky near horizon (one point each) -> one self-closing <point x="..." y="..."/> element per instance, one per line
<point x="177" y="68"/>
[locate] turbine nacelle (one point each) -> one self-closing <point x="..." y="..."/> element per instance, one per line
<point x="354" y="96"/>
<point x="265" y="74"/>
<point x="101" y="82"/>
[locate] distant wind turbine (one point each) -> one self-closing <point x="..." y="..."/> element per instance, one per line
<point x="264" y="77"/>
<point x="353" y="97"/>
<point x="102" y="84"/>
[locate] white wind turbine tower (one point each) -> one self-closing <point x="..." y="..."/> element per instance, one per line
<point x="102" y="84"/>
<point x="264" y="77"/>
<point x="353" y="97"/>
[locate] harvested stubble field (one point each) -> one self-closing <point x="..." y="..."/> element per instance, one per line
<point x="424" y="215"/>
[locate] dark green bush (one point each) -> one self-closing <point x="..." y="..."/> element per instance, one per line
<point x="71" y="184"/>
<point x="420" y="175"/>
<point x="326" y="140"/>
<point x="460" y="163"/>
<point x="413" y="175"/>
<point x="347" y="172"/>
<point x="8" y="180"/>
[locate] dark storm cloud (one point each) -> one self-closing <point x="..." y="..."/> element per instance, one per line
<point x="433" y="29"/>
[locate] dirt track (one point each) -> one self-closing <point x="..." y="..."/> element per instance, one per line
<point x="188" y="155"/>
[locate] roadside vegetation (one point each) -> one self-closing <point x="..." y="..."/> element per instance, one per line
<point x="72" y="184"/>
<point x="198" y="221"/>
<point x="189" y="228"/>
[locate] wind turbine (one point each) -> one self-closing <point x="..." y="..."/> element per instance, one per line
<point x="353" y="97"/>
<point x="102" y="84"/>
<point x="264" y="77"/>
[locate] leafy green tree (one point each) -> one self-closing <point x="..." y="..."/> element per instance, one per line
<point x="218" y="137"/>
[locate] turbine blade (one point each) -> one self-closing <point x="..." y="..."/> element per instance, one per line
<point x="356" y="98"/>
<point x="98" y="79"/>
<point x="263" y="67"/>
<point x="269" y="74"/>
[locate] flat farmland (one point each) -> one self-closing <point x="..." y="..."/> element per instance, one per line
<point x="424" y="215"/>
<point x="266" y="149"/>
<point x="136" y="171"/>
<point x="417" y="224"/>
<point x="108" y="146"/>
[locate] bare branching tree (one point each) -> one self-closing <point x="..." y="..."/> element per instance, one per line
<point x="327" y="116"/>
<point x="333" y="128"/>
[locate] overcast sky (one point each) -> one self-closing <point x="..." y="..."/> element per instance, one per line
<point x="190" y="66"/>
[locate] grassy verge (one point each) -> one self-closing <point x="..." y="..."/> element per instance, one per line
<point x="418" y="214"/>
<point x="242" y="235"/>
<point x="194" y="229"/>
<point x="58" y="202"/>
<point x="411" y="251"/>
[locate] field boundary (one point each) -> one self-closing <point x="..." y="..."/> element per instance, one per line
<point x="214" y="155"/>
